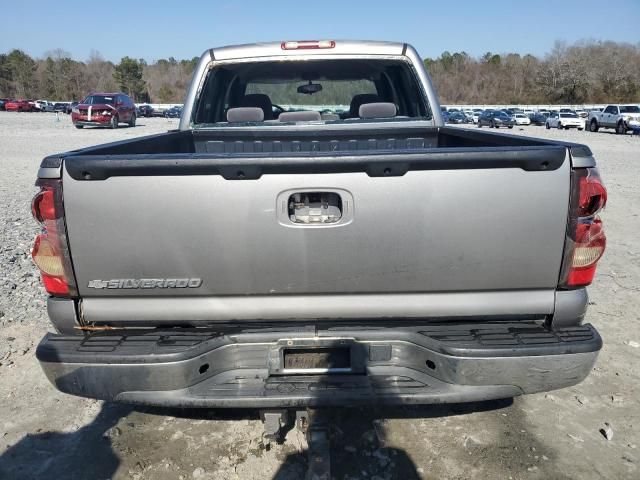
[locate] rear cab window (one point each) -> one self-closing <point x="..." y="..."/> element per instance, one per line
<point x="334" y="88"/>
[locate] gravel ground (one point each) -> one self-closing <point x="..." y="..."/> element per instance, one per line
<point x="46" y="434"/>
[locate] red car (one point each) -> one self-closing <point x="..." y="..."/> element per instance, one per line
<point x="104" y="110"/>
<point x="18" y="106"/>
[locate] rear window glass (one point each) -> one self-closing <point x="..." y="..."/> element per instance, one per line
<point x="333" y="88"/>
<point x="568" y="115"/>
<point x="335" y="94"/>
<point x="97" y="99"/>
<point x="629" y="109"/>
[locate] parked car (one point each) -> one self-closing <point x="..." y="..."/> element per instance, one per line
<point x="457" y="117"/>
<point x="495" y="119"/>
<point x="41" y="105"/>
<point x="60" y="107"/>
<point x="621" y="117"/>
<point x="104" y="110"/>
<point x="564" y="120"/>
<point x="173" y="112"/>
<point x="18" y="106"/>
<point x="2" y="102"/>
<point x="70" y="107"/>
<point x="476" y="115"/>
<point x="521" y="119"/>
<point x="288" y="266"/>
<point x="49" y="107"/>
<point x="538" y="119"/>
<point x="582" y="113"/>
<point x="145" y="111"/>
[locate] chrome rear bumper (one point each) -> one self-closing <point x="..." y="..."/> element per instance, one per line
<point x="394" y="365"/>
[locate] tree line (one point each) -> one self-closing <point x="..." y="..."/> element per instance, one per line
<point x="57" y="76"/>
<point x="584" y="72"/>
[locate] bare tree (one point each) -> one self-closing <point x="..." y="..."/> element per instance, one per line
<point x="587" y="71"/>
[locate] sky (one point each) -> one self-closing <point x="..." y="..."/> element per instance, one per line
<point x="184" y="29"/>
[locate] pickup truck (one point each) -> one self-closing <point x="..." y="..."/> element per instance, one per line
<point x="313" y="235"/>
<point x="621" y="117"/>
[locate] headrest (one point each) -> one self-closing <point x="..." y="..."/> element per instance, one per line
<point x="245" y="114"/>
<point x="259" y="100"/>
<point x="377" y="110"/>
<point x="306" y="116"/>
<point x="361" y="99"/>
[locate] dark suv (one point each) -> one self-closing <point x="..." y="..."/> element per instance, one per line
<point x="104" y="110"/>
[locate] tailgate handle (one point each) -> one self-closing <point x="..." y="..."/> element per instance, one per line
<point x="311" y="207"/>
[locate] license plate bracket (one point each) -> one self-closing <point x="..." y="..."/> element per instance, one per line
<point x="317" y="356"/>
<point x="328" y="358"/>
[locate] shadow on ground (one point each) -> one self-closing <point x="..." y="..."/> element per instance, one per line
<point x="358" y="443"/>
<point x="82" y="454"/>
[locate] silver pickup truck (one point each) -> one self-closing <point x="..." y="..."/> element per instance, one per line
<point x="313" y="235"/>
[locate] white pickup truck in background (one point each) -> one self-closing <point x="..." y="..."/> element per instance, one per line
<point x="621" y="117"/>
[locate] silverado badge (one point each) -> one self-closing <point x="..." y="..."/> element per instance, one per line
<point x="132" y="283"/>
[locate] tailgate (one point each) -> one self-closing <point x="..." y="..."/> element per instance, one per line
<point x="187" y="233"/>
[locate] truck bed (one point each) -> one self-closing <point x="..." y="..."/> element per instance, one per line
<point x="419" y="236"/>
<point x="210" y="147"/>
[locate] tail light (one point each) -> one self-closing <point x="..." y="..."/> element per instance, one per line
<point x="50" y="251"/>
<point x="586" y="241"/>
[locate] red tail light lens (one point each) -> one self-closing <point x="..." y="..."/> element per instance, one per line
<point x="586" y="241"/>
<point x="592" y="194"/>
<point x="43" y="205"/>
<point x="50" y="251"/>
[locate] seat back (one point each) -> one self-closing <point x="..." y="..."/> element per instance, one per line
<point x="259" y="100"/>
<point x="360" y="99"/>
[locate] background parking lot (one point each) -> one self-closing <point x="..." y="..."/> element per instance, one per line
<point x="46" y="434"/>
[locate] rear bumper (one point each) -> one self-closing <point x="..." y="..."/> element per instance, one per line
<point x="97" y="123"/>
<point x="245" y="369"/>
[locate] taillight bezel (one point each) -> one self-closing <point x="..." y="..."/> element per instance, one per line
<point x="583" y="213"/>
<point x="54" y="232"/>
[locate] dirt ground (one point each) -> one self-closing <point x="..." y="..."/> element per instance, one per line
<point x="46" y="434"/>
